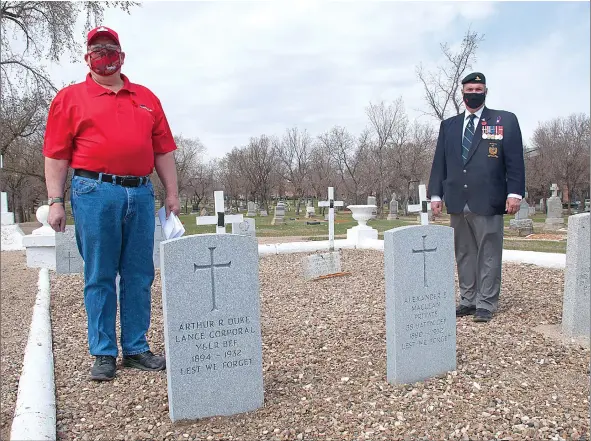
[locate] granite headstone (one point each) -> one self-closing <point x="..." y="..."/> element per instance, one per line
<point x="212" y="327"/>
<point x="576" y="304"/>
<point x="420" y="302"/>
<point x="554" y="218"/>
<point x="251" y="209"/>
<point x="67" y="257"/>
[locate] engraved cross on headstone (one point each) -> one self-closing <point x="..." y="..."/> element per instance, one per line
<point x="331" y="203"/>
<point x="212" y="267"/>
<point x="220" y="219"/>
<point x="425" y="251"/>
<point x="423" y="207"/>
<point x="554" y="189"/>
<point x="70" y="257"/>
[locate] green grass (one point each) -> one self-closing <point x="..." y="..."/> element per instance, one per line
<point x="543" y="246"/>
<point x="298" y="227"/>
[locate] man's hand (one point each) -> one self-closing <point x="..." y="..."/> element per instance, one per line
<point x="512" y="205"/>
<point x="436" y="208"/>
<point x="172" y="204"/>
<point x="57" y="218"/>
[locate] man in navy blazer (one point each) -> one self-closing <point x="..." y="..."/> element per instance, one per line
<point x="479" y="171"/>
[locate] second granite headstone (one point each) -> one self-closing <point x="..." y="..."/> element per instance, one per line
<point x="420" y="302"/>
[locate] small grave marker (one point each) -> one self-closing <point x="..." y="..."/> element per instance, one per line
<point x="246" y="227"/>
<point x="67" y="257"/>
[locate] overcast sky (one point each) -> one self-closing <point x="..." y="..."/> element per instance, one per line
<point x="226" y="71"/>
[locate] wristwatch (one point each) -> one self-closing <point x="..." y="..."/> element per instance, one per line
<point x="52" y="201"/>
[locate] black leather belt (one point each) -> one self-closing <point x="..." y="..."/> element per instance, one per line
<point x="124" y="181"/>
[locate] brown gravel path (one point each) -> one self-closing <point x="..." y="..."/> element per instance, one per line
<point x="18" y="291"/>
<point x="325" y="368"/>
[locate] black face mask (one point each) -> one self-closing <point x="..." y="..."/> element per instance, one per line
<point x="474" y="100"/>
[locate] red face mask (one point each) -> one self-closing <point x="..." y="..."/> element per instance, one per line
<point x="105" y="60"/>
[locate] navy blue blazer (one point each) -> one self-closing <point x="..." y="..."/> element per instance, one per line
<point x="495" y="167"/>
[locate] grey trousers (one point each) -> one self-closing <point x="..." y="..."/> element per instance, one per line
<point x="479" y="253"/>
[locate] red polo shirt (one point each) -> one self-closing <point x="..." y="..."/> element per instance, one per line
<point x="102" y="131"/>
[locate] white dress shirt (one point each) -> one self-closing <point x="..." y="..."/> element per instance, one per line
<point x="478" y="113"/>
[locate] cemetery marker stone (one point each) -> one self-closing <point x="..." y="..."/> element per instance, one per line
<point x="251" y="210"/>
<point x="322" y="264"/>
<point x="576" y="303"/>
<point x="67" y="258"/>
<point x="393" y="213"/>
<point x="420" y="302"/>
<point x="212" y="328"/>
<point x="245" y="228"/>
<point x="554" y="215"/>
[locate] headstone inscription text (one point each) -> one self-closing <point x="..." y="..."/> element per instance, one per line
<point x="420" y="304"/>
<point x="210" y="291"/>
<point x="322" y="264"/>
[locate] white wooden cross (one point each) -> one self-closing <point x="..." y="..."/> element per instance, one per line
<point x="220" y="219"/>
<point x="331" y="203"/>
<point x="418" y="208"/>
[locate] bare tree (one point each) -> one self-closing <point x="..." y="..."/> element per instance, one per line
<point x="257" y="162"/>
<point x="23" y="176"/>
<point x="201" y="184"/>
<point x="188" y="158"/>
<point x="21" y="117"/>
<point x="47" y="30"/>
<point x="442" y="87"/>
<point x="562" y="147"/>
<point x="230" y="177"/>
<point x="294" y="153"/>
<point x="412" y="157"/>
<point x="349" y="156"/>
<point x="384" y="121"/>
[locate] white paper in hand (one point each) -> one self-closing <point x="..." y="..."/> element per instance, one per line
<point x="171" y="227"/>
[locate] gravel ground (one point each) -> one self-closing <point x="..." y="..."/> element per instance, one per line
<point x="325" y="368"/>
<point x="17" y="295"/>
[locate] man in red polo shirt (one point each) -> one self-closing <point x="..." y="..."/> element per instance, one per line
<point x="113" y="133"/>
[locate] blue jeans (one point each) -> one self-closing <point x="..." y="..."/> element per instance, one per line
<point x="115" y="234"/>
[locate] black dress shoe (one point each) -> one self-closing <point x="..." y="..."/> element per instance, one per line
<point x="462" y="310"/>
<point x="103" y="368"/>
<point x="482" y="315"/>
<point x="146" y="361"/>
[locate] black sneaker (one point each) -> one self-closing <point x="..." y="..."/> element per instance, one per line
<point x="146" y="361"/>
<point x="482" y="315"/>
<point x="103" y="369"/>
<point x="462" y="310"/>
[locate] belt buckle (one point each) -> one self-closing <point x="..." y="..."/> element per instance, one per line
<point x="130" y="179"/>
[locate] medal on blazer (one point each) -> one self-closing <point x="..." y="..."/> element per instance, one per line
<point x="492" y="132"/>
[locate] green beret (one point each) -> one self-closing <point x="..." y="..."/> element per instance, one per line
<point x="474" y="77"/>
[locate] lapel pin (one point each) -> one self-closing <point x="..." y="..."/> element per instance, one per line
<point x="498" y="119"/>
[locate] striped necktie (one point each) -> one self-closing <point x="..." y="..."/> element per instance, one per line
<point x="468" y="137"/>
